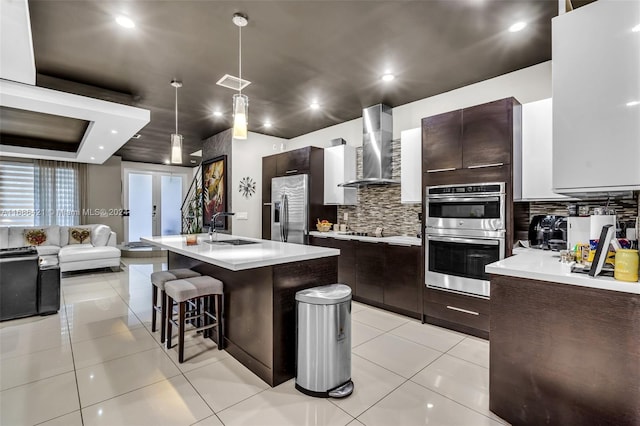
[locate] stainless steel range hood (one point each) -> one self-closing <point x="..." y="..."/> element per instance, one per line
<point x="377" y="123"/>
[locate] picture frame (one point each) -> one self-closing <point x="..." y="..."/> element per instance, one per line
<point x="214" y="191"/>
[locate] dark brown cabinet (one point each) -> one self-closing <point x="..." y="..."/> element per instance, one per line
<point x="294" y="162"/>
<point x="308" y="160"/>
<point x="380" y="274"/>
<point x="476" y="137"/>
<point x="442" y="142"/>
<point x="459" y="312"/>
<point x="487" y="134"/>
<point x="268" y="172"/>
<point x="402" y="286"/>
<point x="370" y="276"/>
<point x="346" y="260"/>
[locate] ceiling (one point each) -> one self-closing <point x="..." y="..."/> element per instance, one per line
<point x="292" y="51"/>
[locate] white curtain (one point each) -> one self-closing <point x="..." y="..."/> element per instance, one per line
<point x="58" y="192"/>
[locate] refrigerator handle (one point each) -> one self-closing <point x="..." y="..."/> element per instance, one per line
<point x="286" y="218"/>
<point x="282" y="217"/>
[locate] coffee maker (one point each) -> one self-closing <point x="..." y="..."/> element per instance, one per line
<point x="548" y="232"/>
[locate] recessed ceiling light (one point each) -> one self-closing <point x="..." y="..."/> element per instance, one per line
<point x="217" y="113"/>
<point x="518" y="26"/>
<point x="636" y="28"/>
<point x="633" y="103"/>
<point x="314" y="105"/>
<point x="388" y="77"/>
<point x="101" y="147"/>
<point x="114" y="132"/>
<point x="125" y="21"/>
<point x="167" y="162"/>
<point x="93" y="158"/>
<point x="267" y="124"/>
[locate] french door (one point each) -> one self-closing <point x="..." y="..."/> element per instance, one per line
<point x="153" y="200"/>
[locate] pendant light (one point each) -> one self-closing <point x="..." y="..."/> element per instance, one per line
<point x="176" y="138"/>
<point x="240" y="101"/>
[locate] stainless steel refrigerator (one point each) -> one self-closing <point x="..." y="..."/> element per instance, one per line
<point x="290" y="209"/>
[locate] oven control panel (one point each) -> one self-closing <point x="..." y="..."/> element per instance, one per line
<point x="487" y="188"/>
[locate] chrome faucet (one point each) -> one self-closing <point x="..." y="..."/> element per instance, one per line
<point x="212" y="225"/>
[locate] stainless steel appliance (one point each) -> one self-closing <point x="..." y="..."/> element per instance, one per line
<point x="323" y="340"/>
<point x="465" y="230"/>
<point x="377" y="151"/>
<point x="290" y="209"/>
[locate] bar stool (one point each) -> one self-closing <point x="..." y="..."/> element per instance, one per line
<point x="158" y="281"/>
<point x="199" y="290"/>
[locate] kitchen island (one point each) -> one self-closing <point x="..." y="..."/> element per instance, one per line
<point x="565" y="347"/>
<point x="260" y="280"/>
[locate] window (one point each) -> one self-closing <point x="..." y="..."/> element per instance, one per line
<point x="39" y="193"/>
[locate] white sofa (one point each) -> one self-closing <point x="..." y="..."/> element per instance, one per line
<point x="99" y="252"/>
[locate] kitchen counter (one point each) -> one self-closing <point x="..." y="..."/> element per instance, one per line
<point x="260" y="282"/>
<point x="544" y="265"/>
<point x="398" y="240"/>
<point x="237" y="258"/>
<point x="564" y="346"/>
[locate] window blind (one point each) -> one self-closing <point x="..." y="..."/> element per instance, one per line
<point x="17" y="204"/>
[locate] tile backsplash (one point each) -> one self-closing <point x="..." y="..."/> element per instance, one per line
<point x="379" y="206"/>
<point x="626" y="211"/>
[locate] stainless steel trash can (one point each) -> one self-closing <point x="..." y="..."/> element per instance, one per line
<point x="323" y="341"/>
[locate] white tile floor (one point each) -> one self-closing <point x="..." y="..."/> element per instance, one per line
<point x="97" y="363"/>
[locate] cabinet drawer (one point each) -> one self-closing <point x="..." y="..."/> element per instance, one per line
<point x="457" y="315"/>
<point x="459" y="301"/>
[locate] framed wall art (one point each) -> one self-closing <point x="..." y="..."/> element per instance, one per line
<point x="214" y="190"/>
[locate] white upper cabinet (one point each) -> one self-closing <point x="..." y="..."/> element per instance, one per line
<point x="596" y="98"/>
<point x="410" y="166"/>
<point x="339" y="167"/>
<point x="537" y="136"/>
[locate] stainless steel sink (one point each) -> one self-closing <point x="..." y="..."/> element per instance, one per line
<point x="232" y="242"/>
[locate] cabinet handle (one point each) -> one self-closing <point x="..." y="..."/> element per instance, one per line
<point x="453" y="308"/>
<point x="267" y="204"/>
<point x="482" y="166"/>
<point x="450" y="169"/>
<point x="291" y="171"/>
<point x="399" y="244"/>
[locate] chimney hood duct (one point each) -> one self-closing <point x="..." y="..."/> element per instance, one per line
<point x="377" y="122"/>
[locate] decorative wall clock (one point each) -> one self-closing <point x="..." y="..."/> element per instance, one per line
<point x="247" y="187"/>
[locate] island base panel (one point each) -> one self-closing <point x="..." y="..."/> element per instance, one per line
<point x="260" y="310"/>
<point x="563" y="354"/>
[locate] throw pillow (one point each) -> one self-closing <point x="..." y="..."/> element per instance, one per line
<point x="35" y="237"/>
<point x="79" y="235"/>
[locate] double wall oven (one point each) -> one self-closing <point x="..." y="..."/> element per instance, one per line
<point x="465" y="231"/>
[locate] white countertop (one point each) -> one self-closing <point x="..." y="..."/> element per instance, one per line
<point x="398" y="240"/>
<point x="544" y="265"/>
<point x="237" y="258"/>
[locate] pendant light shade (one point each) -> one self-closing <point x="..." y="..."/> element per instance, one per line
<point x="176" y="138"/>
<point x="240" y="101"/>
<point x="176" y="148"/>
<point x="240" y="115"/>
